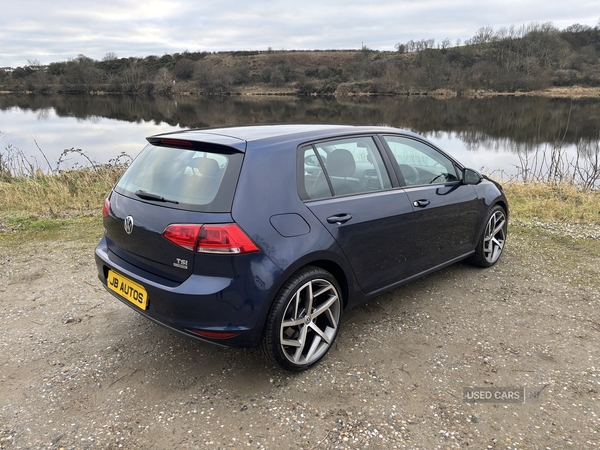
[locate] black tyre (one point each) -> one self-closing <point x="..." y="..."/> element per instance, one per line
<point x="491" y="243"/>
<point x="304" y="320"/>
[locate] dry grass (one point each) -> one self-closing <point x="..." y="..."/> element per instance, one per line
<point x="570" y="92"/>
<point x="553" y="92"/>
<point x="51" y="201"/>
<point x="66" y="194"/>
<point x="36" y="197"/>
<point x="548" y="202"/>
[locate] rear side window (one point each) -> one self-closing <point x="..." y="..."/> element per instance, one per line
<point x="341" y="167"/>
<point x="186" y="178"/>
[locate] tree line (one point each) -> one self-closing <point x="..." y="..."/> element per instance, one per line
<point x="526" y="58"/>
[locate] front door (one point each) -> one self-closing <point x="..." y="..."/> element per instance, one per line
<point x="444" y="209"/>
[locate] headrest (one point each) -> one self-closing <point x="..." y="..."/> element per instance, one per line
<point x="206" y="166"/>
<point x="340" y="163"/>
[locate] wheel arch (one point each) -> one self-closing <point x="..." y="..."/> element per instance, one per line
<point x="337" y="272"/>
<point x="327" y="262"/>
<point x="503" y="203"/>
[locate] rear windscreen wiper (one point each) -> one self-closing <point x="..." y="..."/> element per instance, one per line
<point x="148" y="196"/>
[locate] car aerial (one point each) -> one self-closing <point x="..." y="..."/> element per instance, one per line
<point x="264" y="235"/>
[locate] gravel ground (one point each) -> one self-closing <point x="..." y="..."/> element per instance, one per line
<point x="80" y="370"/>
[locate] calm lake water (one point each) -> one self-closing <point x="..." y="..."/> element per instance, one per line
<point x="493" y="135"/>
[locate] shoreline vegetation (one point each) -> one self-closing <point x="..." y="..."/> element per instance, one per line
<point x="48" y="202"/>
<point x="572" y="92"/>
<point x="535" y="59"/>
<point x="34" y="200"/>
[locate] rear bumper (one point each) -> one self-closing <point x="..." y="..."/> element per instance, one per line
<point x="237" y="304"/>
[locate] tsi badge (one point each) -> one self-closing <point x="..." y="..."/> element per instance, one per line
<point x="128" y="225"/>
<point x="181" y="263"/>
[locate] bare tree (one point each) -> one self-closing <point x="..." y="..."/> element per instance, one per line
<point x="34" y="64"/>
<point x="483" y="36"/>
<point x="444" y="44"/>
<point x="110" y="56"/>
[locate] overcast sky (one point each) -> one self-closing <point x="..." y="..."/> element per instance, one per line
<point x="58" y="30"/>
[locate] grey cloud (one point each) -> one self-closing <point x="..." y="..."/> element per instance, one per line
<point x="54" y="31"/>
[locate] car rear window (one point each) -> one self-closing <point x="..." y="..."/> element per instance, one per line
<point x="195" y="179"/>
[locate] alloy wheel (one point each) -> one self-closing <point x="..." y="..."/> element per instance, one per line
<point x="494" y="237"/>
<point x="310" y="322"/>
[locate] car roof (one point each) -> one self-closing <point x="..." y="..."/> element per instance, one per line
<point x="236" y="135"/>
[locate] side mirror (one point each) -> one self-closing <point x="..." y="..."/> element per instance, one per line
<point x="471" y="176"/>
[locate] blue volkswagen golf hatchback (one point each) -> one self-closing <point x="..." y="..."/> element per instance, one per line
<point x="265" y="235"/>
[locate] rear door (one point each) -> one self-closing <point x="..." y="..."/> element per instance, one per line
<point x="445" y="209"/>
<point x="347" y="187"/>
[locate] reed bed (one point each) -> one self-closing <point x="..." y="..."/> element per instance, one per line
<point x="41" y="196"/>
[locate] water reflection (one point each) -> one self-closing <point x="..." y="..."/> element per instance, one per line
<point x="494" y="133"/>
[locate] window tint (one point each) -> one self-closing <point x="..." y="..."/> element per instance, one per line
<point x="191" y="179"/>
<point x="419" y="163"/>
<point x="341" y="167"/>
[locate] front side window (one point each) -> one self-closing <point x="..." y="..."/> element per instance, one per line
<point x="341" y="167"/>
<point x="420" y="164"/>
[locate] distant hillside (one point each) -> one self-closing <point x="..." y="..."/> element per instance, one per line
<point x="529" y="58"/>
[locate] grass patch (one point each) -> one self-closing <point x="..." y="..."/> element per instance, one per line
<point x="547" y="202"/>
<point x="20" y="223"/>
<point x="86" y="230"/>
<point x="57" y="204"/>
<point x="66" y="194"/>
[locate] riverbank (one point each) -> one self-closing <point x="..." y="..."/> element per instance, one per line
<point x="573" y="92"/>
<point x="351" y="90"/>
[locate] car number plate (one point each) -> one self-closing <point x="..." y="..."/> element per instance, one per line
<point x="127" y="289"/>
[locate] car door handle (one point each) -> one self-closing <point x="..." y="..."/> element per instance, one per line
<point x="339" y="218"/>
<point x="421" y="203"/>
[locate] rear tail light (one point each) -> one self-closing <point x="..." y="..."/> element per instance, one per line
<point x="106" y="207"/>
<point x="226" y="239"/>
<point x="185" y="236"/>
